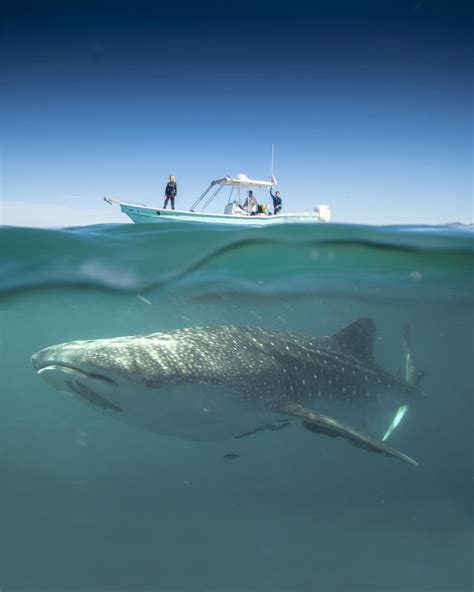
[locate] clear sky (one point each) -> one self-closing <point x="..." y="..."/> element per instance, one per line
<point x="369" y="104"/>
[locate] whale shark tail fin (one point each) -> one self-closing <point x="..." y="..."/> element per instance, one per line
<point x="323" y="424"/>
<point x="357" y="339"/>
<point x="413" y="374"/>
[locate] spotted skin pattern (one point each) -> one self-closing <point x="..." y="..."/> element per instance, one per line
<point x="272" y="371"/>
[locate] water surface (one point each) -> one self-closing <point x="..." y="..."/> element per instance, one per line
<point x="90" y="504"/>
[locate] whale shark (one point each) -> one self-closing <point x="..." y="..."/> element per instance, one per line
<point x="221" y="382"/>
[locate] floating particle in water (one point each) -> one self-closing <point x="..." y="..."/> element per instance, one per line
<point x="416" y="276"/>
<point x="314" y="254"/>
<point x="231" y="456"/>
<point x="331" y="256"/>
<point x="143" y="299"/>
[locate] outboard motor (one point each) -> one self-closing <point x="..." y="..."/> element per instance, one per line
<point x="323" y="212"/>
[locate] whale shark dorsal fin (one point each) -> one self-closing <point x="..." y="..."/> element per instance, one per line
<point x="357" y="339"/>
<point x="329" y="426"/>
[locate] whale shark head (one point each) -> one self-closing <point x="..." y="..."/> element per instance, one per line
<point x="169" y="383"/>
<point x="99" y="369"/>
<point x="166" y="383"/>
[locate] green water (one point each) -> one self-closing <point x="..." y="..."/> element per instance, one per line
<point x="90" y="504"/>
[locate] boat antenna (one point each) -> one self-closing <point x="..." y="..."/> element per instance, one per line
<point x="273" y="180"/>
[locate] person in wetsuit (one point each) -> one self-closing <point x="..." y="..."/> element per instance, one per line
<point x="171" y="192"/>
<point x="276" y="202"/>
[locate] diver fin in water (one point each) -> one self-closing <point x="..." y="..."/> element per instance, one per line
<point x="357" y="339"/>
<point x="329" y="426"/>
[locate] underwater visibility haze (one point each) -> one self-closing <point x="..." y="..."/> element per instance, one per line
<point x="260" y="489"/>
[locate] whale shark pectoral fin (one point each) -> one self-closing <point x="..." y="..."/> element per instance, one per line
<point x="329" y="426"/>
<point x="318" y="429"/>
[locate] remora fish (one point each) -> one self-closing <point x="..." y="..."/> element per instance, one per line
<point x="213" y="383"/>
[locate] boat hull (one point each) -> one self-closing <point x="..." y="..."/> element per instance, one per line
<point x="144" y="214"/>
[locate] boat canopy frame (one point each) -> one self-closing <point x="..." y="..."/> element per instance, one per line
<point x="238" y="182"/>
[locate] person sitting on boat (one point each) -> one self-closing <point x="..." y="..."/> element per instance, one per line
<point x="171" y="192"/>
<point x="250" y="204"/>
<point x="276" y="202"/>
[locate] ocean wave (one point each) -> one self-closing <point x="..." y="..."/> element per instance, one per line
<point x="289" y="258"/>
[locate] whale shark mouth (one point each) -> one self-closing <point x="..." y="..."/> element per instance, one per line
<point x="66" y="377"/>
<point x="73" y="370"/>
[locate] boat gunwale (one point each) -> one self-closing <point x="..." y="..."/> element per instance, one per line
<point x="215" y="215"/>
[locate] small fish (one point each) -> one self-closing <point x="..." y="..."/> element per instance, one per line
<point x="231" y="456"/>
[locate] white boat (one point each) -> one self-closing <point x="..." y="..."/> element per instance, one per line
<point x="235" y="213"/>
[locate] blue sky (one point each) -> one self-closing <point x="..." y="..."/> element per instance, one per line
<point x="369" y="105"/>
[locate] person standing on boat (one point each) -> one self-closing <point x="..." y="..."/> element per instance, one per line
<point x="171" y="192"/>
<point x="276" y="202"/>
<point x="250" y="204"/>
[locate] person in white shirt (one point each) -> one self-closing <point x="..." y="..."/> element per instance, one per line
<point x="250" y="204"/>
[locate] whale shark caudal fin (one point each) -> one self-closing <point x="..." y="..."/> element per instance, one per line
<point x="323" y="424"/>
<point x="357" y="339"/>
<point x="412" y="375"/>
<point x="397" y="418"/>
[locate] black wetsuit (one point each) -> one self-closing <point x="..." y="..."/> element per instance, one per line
<point x="276" y="203"/>
<point x="170" y="194"/>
